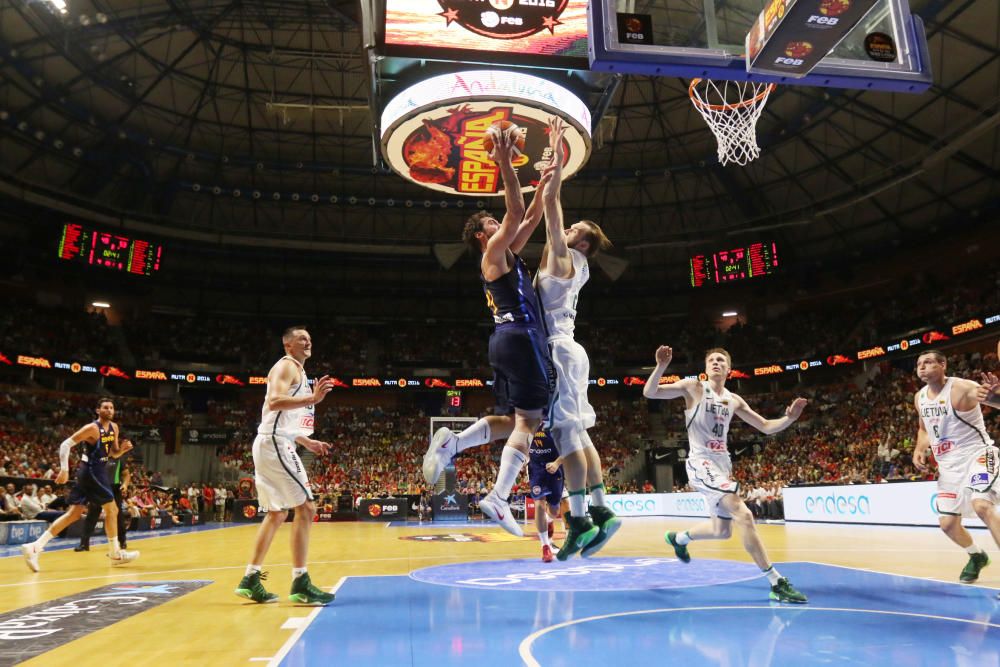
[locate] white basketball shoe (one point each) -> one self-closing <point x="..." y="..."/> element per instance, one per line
<point x="499" y="511"/>
<point x="439" y="454"/>
<point x="30" y="553"/>
<point x="125" y="557"/>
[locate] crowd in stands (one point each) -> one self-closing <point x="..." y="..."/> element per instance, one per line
<point x="818" y="327"/>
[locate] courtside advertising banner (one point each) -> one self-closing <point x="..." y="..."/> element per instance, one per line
<point x="657" y="504"/>
<point x="904" y="503"/>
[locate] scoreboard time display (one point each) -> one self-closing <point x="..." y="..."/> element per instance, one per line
<point x="725" y="266"/>
<point x="112" y="251"/>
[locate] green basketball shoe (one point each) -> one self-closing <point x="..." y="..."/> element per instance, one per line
<point x="607" y="523"/>
<point x="251" y="588"/>
<point x="975" y="565"/>
<point x="580" y="531"/>
<point x="680" y="550"/>
<point x="304" y="592"/>
<point x="783" y="591"/>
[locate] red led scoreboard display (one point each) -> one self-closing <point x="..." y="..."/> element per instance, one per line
<point x="112" y="251"/>
<point x="724" y="266"/>
<point x="546" y="33"/>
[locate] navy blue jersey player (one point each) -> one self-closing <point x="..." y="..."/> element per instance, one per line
<point x="523" y="372"/>
<point x="92" y="486"/>
<point x="545" y="481"/>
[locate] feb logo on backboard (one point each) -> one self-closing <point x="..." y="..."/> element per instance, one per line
<point x="504" y="19"/>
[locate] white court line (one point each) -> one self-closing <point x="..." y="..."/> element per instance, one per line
<point x="260" y="659"/>
<point x="894" y="574"/>
<point x="524" y="649"/>
<point x="293" y="622"/>
<point x="304" y="622"/>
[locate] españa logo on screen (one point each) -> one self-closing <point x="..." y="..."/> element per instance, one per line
<point x="504" y="19"/>
<point x="449" y="151"/>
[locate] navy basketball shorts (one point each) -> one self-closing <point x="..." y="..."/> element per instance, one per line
<point x="90" y="489"/>
<point x="545" y="485"/>
<point x="523" y="375"/>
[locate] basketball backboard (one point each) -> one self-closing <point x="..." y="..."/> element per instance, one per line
<point x="887" y="50"/>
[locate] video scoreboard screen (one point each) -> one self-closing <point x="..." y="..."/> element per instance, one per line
<point x="545" y="33"/>
<point x="725" y="266"/>
<point x="112" y="251"/>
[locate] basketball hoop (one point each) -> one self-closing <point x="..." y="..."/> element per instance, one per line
<point x="731" y="109"/>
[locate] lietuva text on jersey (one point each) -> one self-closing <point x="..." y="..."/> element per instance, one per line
<point x="511" y="298"/>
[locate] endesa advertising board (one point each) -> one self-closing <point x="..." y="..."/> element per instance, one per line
<point x="657" y="504"/>
<point x="901" y="503"/>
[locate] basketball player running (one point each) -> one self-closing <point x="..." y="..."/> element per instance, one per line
<point x="708" y="410"/>
<point x="545" y="481"/>
<point x="119" y="476"/>
<point x="951" y="425"/>
<point x="100" y="441"/>
<point x="561" y="275"/>
<point x="287" y="419"/>
<point x="523" y="374"/>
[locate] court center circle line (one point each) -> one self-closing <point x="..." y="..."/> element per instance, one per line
<point x="524" y="649"/>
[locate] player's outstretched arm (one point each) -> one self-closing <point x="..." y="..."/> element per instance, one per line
<point x="923" y="442"/>
<point x="499" y="243"/>
<point x="653" y="388"/>
<point x="992" y="382"/>
<point x="534" y="214"/>
<point x="770" y="426"/>
<point x="314" y="446"/>
<point x="558" y="263"/>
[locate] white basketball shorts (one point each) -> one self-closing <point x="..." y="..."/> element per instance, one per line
<point x="964" y="475"/>
<point x="712" y="479"/>
<point x="279" y="474"/>
<point x="570" y="412"/>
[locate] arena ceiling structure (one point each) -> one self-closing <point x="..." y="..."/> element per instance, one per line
<point x="252" y="121"/>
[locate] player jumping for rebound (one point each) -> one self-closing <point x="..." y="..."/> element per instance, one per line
<point x="92" y="486"/>
<point x="951" y="425"/>
<point x="708" y="410"/>
<point x="561" y="275"/>
<point x="523" y="373"/>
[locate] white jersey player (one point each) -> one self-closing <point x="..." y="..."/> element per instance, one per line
<point x="709" y="410"/>
<point x="951" y="426"/>
<point x="287" y="420"/>
<point x="563" y="272"/>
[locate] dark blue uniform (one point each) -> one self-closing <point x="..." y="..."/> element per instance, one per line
<point x="544" y="484"/>
<point x="523" y="375"/>
<point x="92" y="483"/>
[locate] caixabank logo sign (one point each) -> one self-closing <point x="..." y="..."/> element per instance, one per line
<point x="433" y="133"/>
<point x="504" y="19"/>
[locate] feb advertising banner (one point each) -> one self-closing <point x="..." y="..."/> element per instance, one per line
<point x="901" y="503"/>
<point x="382" y="509"/>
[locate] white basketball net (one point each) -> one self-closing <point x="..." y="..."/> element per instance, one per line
<point x="731" y="109"/>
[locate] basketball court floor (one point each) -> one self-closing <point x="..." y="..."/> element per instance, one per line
<point x="470" y="594"/>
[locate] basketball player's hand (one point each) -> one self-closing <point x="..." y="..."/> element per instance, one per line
<point x="316" y="446"/>
<point x="62" y="477"/>
<point x="664" y="354"/>
<point x="795" y="409"/>
<point x="981" y="393"/>
<point x="551" y="467"/>
<point x="503" y="146"/>
<point x="125" y="445"/>
<point x="920" y="459"/>
<point x="321" y="389"/>
<point x="992" y="381"/>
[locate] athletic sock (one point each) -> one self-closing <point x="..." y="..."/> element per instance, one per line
<point x="474" y="436"/>
<point x="44" y="539"/>
<point x="578" y="503"/>
<point x="973" y="549"/>
<point x="597" y="495"/>
<point x="511" y="462"/>
<point x="772" y="575"/>
<point x="682" y="538"/>
<point x="298" y="572"/>
<point x="113" y="546"/>
<point x="251" y="569"/>
<point x="543" y="537"/>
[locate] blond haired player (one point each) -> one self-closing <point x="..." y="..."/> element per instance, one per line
<point x="951" y="426"/>
<point x="287" y="419"/>
<point x="708" y="410"/>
